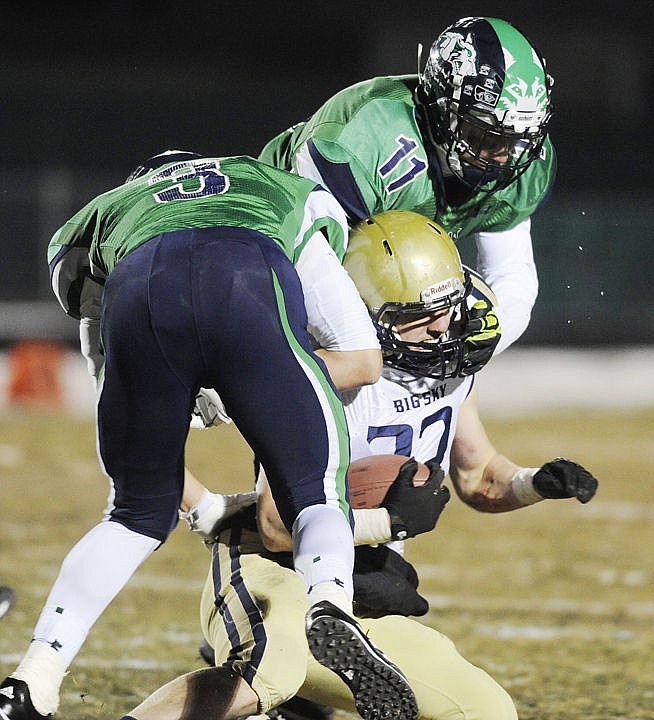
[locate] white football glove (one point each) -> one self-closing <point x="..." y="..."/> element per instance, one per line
<point x="89" y="325"/>
<point x="209" y="410"/>
<point x="220" y="508"/>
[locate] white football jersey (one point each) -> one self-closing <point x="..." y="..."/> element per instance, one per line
<point x="403" y="415"/>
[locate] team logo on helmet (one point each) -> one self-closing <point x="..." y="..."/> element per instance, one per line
<point x="522" y="97"/>
<point x="459" y="51"/>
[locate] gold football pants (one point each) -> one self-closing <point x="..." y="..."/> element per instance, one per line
<point x="253" y="612"/>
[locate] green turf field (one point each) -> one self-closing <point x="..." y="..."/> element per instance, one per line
<point x="556" y="601"/>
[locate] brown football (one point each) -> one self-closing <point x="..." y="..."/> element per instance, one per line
<point x="370" y="477"/>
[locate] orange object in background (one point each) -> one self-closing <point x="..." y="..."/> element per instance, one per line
<point x="35" y="370"/>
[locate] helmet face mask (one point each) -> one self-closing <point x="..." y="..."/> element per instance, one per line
<point x="439" y="358"/>
<point x="406" y="268"/>
<point x="485" y="95"/>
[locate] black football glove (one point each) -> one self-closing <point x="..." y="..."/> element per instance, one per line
<point x="563" y="478"/>
<point x="385" y="584"/>
<point x="483" y="332"/>
<point x="415" y="510"/>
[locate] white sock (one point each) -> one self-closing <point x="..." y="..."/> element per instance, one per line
<point x="43" y="669"/>
<point x="334" y="594"/>
<point x="323" y="554"/>
<point x="92" y="574"/>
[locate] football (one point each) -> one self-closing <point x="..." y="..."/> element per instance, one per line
<point x="370" y="477"/>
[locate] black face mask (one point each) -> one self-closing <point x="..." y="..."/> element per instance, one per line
<point x="475" y="176"/>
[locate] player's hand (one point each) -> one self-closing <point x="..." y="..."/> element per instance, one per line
<point x="385" y="584"/>
<point x="483" y="332"/>
<point x="415" y="509"/>
<point x="209" y="410"/>
<point x="221" y="508"/>
<point x="563" y="478"/>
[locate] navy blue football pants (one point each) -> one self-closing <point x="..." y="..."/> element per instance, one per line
<point x="222" y="308"/>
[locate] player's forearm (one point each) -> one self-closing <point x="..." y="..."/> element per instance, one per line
<point x="274" y="536"/>
<point x="193" y="491"/>
<point x="506" y="262"/>
<point x="89" y="340"/>
<point x="352" y="368"/>
<point x="488" y="486"/>
<point x="513" y="312"/>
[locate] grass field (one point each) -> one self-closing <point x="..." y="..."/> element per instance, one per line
<point x="556" y="601"/>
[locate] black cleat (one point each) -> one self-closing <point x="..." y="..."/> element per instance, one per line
<point x="7" y="597"/>
<point x="15" y="702"/>
<point x="298" y="708"/>
<point x="380" y="690"/>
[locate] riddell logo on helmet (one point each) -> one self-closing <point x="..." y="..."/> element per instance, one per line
<point x="442" y="289"/>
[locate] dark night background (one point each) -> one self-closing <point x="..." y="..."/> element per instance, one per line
<point x="88" y="92"/>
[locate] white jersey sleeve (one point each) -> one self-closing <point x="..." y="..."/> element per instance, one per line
<point x="306" y="167"/>
<point x="337" y="317"/>
<point x="506" y="262"/>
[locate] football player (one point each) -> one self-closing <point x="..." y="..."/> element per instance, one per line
<point x="463" y="142"/>
<point x="194" y="265"/>
<point x="419" y="295"/>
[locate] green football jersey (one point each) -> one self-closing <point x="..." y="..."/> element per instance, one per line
<point x="365" y="146"/>
<point x="234" y="191"/>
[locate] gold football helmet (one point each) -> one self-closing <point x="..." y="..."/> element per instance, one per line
<point x="405" y="266"/>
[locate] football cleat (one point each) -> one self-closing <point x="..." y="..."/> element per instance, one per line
<point x="15" y="702"/>
<point x="298" y="708"/>
<point x="379" y="688"/>
<point x="7" y="597"/>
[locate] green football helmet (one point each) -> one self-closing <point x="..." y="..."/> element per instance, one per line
<point x="406" y="266"/>
<point x="484" y="96"/>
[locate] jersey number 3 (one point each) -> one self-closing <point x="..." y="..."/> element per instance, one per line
<point x="191" y="180"/>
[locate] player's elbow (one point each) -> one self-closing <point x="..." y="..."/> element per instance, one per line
<point x="370" y="363"/>
<point x="352" y="368"/>
<point x="484" y="488"/>
<point x="468" y="489"/>
<point x="276" y="543"/>
<point x="274" y="536"/>
<point x="480" y="502"/>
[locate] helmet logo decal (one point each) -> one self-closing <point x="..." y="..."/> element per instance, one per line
<point x="460" y="51"/>
<point x="442" y="289"/>
<point x="522" y="98"/>
<point x="486" y="96"/>
<point x="518" y="94"/>
<point x="405" y="152"/>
